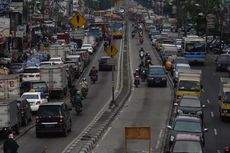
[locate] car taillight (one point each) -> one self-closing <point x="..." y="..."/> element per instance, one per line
<point x="38" y="102"/>
<point x="61" y="118"/>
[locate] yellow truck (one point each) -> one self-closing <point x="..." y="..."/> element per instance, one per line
<point x="189" y="83"/>
<point x="224" y="98"/>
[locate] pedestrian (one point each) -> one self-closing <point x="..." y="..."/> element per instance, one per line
<point x="10" y="145"/>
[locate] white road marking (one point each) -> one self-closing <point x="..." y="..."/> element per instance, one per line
<point x="212" y="114"/>
<point x="203" y="90"/>
<point x="208" y="101"/>
<point x="215" y="132"/>
<point x="218" y="151"/>
<point x="159" y="138"/>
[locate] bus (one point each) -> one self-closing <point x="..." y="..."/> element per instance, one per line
<point x="116" y="30"/>
<point x="194" y="49"/>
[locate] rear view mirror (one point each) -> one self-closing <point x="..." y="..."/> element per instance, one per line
<point x="205" y="130"/>
<point x="175" y="104"/>
<point x="203" y="106"/>
<point x="169" y="127"/>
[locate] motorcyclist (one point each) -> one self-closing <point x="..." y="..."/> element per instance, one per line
<point x="78" y="99"/>
<point x="105" y="45"/>
<point x="84" y="87"/>
<point x="93" y="71"/>
<point x="141" y="50"/>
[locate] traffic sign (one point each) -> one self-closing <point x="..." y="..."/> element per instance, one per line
<point x="78" y="20"/>
<point x="111" y="51"/>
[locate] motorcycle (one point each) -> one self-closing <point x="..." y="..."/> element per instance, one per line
<point x="136" y="81"/>
<point x="141" y="40"/>
<point x="93" y="78"/>
<point x="133" y="34"/>
<point x="143" y="75"/>
<point x="78" y="109"/>
<point x="84" y="91"/>
<point x="141" y="55"/>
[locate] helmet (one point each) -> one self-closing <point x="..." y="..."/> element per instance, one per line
<point x="84" y="79"/>
<point x="78" y="92"/>
<point x="137" y="69"/>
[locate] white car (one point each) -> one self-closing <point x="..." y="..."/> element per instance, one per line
<point x="35" y="99"/>
<point x="56" y="60"/>
<point x="180" y="67"/>
<point x="89" y="47"/>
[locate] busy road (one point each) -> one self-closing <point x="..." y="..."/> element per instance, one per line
<point x="98" y="97"/>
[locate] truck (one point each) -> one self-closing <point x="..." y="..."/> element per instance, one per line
<point x="9" y="86"/>
<point x="56" y="79"/>
<point x="224" y="98"/>
<point x="57" y="50"/>
<point x="9" y="118"/>
<point x="189" y="83"/>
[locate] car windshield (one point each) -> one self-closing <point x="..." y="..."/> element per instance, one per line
<point x="227" y="97"/>
<point x="189" y="102"/>
<point x="15" y="66"/>
<point x="157" y="71"/>
<point x="39" y="85"/>
<point x="187" y="147"/>
<point x="188" y="85"/>
<point x="195" y="47"/>
<point x="49" y="111"/>
<point x="182" y="67"/>
<point x="187" y="126"/>
<point x="30" y="96"/>
<point x="32" y="70"/>
<point x="86" y="45"/>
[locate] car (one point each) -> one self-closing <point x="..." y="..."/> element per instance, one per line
<point x="157" y="76"/>
<point x="56" y="60"/>
<point x="181" y="60"/>
<point x="31" y="73"/>
<point x="52" y="118"/>
<point x="179" y="67"/>
<point x="187" y="124"/>
<point x="16" y="68"/>
<point x="222" y="62"/>
<point x="89" y="47"/>
<point x="178" y="43"/>
<point x="45" y="63"/>
<point x="103" y="64"/>
<point x="35" y="99"/>
<point x="186" y="143"/>
<point x="24" y="110"/>
<point x="190" y="105"/>
<point x="38" y="86"/>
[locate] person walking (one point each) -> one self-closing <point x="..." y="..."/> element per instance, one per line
<point x="10" y="145"/>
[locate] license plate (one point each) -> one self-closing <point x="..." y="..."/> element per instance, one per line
<point x="49" y="125"/>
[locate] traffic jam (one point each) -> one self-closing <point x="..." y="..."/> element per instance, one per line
<point x="184" y="58"/>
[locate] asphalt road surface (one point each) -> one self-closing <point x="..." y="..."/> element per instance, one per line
<point x="146" y="107"/>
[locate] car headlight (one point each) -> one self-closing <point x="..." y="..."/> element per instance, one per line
<point x="179" y="111"/>
<point x="224" y="111"/>
<point x="199" y="112"/>
<point x="171" y="138"/>
<point x="163" y="78"/>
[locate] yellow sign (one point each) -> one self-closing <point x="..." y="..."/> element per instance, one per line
<point x="111" y="51"/>
<point x="78" y="20"/>
<point x="137" y="133"/>
<point x="143" y="133"/>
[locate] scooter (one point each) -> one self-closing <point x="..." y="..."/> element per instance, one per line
<point x="78" y="109"/>
<point x="93" y="78"/>
<point x="84" y="92"/>
<point x="141" y="55"/>
<point x="143" y="75"/>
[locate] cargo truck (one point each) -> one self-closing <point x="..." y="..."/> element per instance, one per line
<point x="189" y="83"/>
<point x="9" y="118"/>
<point x="9" y="86"/>
<point x="224" y="98"/>
<point x="57" y="50"/>
<point x="56" y="79"/>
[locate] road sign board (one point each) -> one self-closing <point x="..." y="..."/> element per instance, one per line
<point x="111" y="51"/>
<point x="78" y="20"/>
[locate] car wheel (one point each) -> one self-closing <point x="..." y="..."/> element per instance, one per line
<point x="165" y="84"/>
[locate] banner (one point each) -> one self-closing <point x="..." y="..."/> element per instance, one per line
<point x="4" y="26"/>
